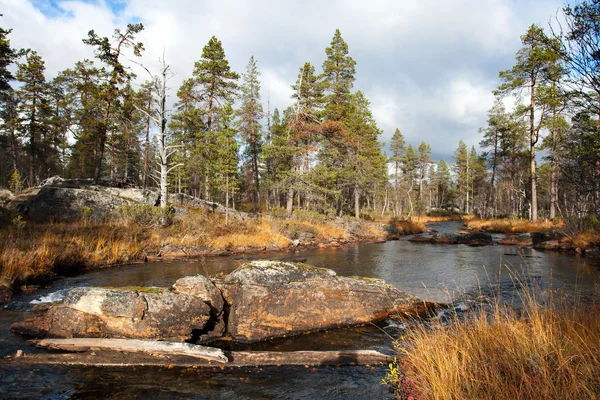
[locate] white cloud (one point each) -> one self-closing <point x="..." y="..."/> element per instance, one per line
<point x="427" y="66"/>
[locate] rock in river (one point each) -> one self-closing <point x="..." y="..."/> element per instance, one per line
<point x="110" y="313"/>
<point x="258" y="301"/>
<point x="269" y="299"/>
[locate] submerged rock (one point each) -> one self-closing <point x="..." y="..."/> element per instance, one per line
<point x="556" y="245"/>
<point x="269" y="299"/>
<point x="116" y="313"/>
<point x="523" y="239"/>
<point x="470" y="239"/>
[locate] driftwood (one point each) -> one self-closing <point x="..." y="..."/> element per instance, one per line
<point x="135" y="346"/>
<point x="117" y="352"/>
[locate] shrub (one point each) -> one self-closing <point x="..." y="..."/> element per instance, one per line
<point x="278" y="212"/>
<point x="144" y="215"/>
<point x="310" y="216"/>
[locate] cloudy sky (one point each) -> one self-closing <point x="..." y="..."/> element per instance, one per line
<point x="427" y="66"/>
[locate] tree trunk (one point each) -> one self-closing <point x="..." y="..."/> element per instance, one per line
<point x="532" y="142"/>
<point x="290" y="201"/>
<point x="356" y="202"/>
<point x="147" y="148"/>
<point x="227" y="199"/>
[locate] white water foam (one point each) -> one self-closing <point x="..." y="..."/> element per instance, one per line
<point x="53" y="297"/>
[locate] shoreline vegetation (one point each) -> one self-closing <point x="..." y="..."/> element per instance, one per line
<point x="542" y="350"/>
<point x="31" y="252"/>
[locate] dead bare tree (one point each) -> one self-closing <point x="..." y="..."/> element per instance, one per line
<point x="158" y="114"/>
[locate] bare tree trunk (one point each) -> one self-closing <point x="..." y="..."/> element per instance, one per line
<point x="147" y="144"/>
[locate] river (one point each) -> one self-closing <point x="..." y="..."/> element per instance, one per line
<point x="442" y="273"/>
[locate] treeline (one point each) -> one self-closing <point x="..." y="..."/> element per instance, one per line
<point x="555" y="121"/>
<point x="322" y="153"/>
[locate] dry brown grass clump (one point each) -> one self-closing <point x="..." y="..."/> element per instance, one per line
<point x="510" y="225"/>
<point x="34" y="250"/>
<point x="438" y="218"/>
<point x="550" y="352"/>
<point x="408" y="227"/>
<point x="587" y="239"/>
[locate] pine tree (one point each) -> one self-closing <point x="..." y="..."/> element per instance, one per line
<point x="214" y="82"/>
<point x="533" y="61"/>
<point x="227" y="155"/>
<point x="33" y="109"/>
<point x="83" y="93"/>
<point x="250" y="114"/>
<point x="338" y="78"/>
<point x="409" y="171"/>
<point x="397" y="147"/>
<point x="461" y="158"/>
<point x="424" y="159"/>
<point x="8" y="56"/>
<point x="111" y="54"/>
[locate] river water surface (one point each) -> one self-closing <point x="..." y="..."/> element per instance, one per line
<point x="441" y="273"/>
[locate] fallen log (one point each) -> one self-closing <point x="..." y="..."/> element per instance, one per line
<point x="135" y="346"/>
<point x="117" y="352"/>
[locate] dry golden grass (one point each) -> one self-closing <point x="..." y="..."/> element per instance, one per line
<point x="35" y="249"/>
<point x="443" y="218"/>
<point x="587" y="239"/>
<point x="408" y="227"/>
<point x="31" y="250"/>
<point x="545" y="352"/>
<point x="257" y="234"/>
<point x="510" y="225"/>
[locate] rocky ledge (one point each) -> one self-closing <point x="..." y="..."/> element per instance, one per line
<point x="258" y="301"/>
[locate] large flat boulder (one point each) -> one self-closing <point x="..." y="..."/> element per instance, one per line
<point x="110" y="313"/>
<point x="269" y="299"/>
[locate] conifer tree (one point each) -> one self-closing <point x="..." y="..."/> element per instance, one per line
<point x="461" y="158"/>
<point x="111" y="54"/>
<point x="250" y="114"/>
<point x="214" y="81"/>
<point x="33" y="108"/>
<point x="397" y="147"/>
<point x="338" y="78"/>
<point x="533" y="62"/>
<point x="227" y="148"/>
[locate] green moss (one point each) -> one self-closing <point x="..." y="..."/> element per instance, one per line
<point x="140" y="289"/>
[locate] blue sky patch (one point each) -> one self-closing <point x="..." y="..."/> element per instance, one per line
<point x="53" y="9"/>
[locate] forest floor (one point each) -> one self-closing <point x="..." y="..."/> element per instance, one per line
<point x="32" y="252"/>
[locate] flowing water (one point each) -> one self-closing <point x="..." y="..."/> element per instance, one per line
<point x="441" y="273"/>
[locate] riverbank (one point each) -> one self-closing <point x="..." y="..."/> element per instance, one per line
<point x="542" y="352"/>
<point x="542" y="235"/>
<point x="31" y="252"/>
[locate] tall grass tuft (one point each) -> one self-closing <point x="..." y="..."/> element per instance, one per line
<point x="549" y="351"/>
<point x="510" y="225"/>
